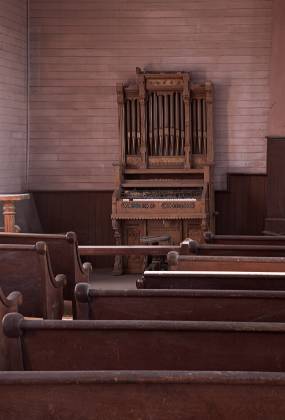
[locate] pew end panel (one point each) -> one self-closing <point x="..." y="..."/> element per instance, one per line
<point x="9" y="351"/>
<point x="81" y="293"/>
<point x="64" y="256"/>
<point x="27" y="268"/>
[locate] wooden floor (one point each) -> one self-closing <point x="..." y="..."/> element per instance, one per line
<point x="103" y="279"/>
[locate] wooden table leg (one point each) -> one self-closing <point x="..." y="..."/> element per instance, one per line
<point x="9" y="212"/>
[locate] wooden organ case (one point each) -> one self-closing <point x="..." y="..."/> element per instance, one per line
<point x="164" y="180"/>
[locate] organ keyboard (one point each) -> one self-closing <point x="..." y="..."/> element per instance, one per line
<point x="163" y="183"/>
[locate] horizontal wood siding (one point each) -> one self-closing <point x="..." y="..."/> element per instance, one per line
<point x="13" y="95"/>
<point x="81" y="49"/>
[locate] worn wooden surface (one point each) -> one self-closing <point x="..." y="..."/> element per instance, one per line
<point x="224" y="263"/>
<point x="191" y="247"/>
<point x="132" y="395"/>
<point x="184" y="305"/>
<point x="148" y="345"/>
<point x="8" y="347"/>
<point x="218" y="280"/>
<point x="244" y="239"/>
<point x="64" y="257"/>
<point x="275" y="208"/>
<point x="27" y="268"/>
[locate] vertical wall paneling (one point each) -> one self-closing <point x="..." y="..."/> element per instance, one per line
<point x="242" y="208"/>
<point x="277" y="79"/>
<point x="13" y="95"/>
<point x="81" y="49"/>
<point x="275" y="199"/>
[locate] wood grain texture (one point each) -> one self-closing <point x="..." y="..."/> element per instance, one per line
<point x="241" y="210"/>
<point x="81" y="49"/>
<point x="275" y="207"/>
<point x="63" y="211"/>
<point x="13" y="95"/>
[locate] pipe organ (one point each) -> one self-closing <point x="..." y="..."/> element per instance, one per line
<point x="164" y="179"/>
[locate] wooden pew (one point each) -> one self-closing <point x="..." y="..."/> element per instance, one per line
<point x="179" y="305"/>
<point x="190" y="247"/>
<point x="63" y="345"/>
<point x="64" y="255"/>
<point x="212" y="280"/>
<point x="178" y="262"/>
<point x="142" y="395"/>
<point x="8" y="304"/>
<point x="27" y="268"/>
<point x="267" y="240"/>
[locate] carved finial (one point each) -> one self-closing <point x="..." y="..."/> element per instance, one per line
<point x="12" y="324"/>
<point x="172" y="258"/>
<point x="71" y="237"/>
<point x="81" y="292"/>
<point x="208" y="236"/>
<point x="41" y="247"/>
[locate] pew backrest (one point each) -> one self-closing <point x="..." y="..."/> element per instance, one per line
<point x="27" y="268"/>
<point x="190" y="247"/>
<point x="212" y="280"/>
<point x="156" y="395"/>
<point x="147" y="345"/>
<point x="64" y="255"/>
<point x="179" y="305"/>
<point x="178" y="262"/>
<point x="209" y="237"/>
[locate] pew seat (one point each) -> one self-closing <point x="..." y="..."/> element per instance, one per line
<point x="179" y="305"/>
<point x="27" y="269"/>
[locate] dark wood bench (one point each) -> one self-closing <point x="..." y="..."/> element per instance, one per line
<point x="147" y="345"/>
<point x="177" y="262"/>
<point x="189" y="247"/>
<point x="267" y="240"/>
<point x="142" y="395"/>
<point x="27" y="269"/>
<point x="8" y="304"/>
<point x="212" y="280"/>
<point x="64" y="255"/>
<point x="179" y="305"/>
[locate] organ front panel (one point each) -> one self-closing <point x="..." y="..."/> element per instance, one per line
<point x="164" y="177"/>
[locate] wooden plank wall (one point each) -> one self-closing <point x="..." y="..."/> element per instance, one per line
<point x="242" y="207"/>
<point x="80" y="49"/>
<point x="13" y="95"/>
<point x="88" y="213"/>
